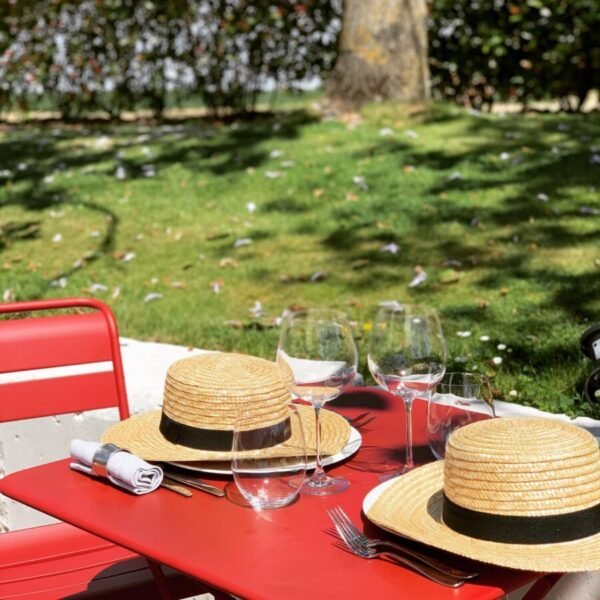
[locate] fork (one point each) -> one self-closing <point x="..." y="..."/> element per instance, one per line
<point x="368" y="546"/>
<point x="368" y="542"/>
<point x="360" y="420"/>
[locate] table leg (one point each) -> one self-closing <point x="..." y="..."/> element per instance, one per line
<point x="159" y="579"/>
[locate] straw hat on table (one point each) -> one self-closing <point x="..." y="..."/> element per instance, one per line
<point x="521" y="493"/>
<point x="204" y="396"/>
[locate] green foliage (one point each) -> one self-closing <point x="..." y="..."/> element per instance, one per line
<point x="482" y="52"/>
<point x="117" y="55"/>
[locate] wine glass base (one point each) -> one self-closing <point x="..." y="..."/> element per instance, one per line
<point x="325" y="487"/>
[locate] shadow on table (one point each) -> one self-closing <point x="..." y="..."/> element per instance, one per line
<point x="131" y="579"/>
<point x="366" y="398"/>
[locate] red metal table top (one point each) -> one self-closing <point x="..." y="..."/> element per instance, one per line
<point x="285" y="553"/>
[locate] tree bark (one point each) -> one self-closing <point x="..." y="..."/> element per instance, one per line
<point x="383" y="53"/>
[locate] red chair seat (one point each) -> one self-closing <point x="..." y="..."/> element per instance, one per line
<point x="60" y="561"/>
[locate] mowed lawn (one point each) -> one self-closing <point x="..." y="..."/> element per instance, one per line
<point x="183" y="227"/>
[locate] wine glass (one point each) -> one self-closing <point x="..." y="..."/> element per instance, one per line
<point x="407" y="357"/>
<point x="269" y="480"/>
<point x="317" y="346"/>
<point x="459" y="399"/>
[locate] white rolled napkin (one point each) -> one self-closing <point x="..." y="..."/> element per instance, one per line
<point x="123" y="468"/>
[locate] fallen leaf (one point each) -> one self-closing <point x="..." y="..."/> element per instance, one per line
<point x="257" y="310"/>
<point x="242" y="242"/>
<point x="419" y="277"/>
<point x="152" y="296"/>
<point x="391" y="248"/>
<point x="360" y="182"/>
<point x="216" y="285"/>
<point x="228" y="262"/>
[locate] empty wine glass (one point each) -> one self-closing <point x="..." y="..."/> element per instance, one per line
<point x="317" y="346"/>
<point x="407" y="357"/>
<point x="459" y="399"/>
<point x="266" y="479"/>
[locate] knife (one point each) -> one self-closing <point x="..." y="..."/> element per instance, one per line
<point x="174" y="487"/>
<point x="194" y="483"/>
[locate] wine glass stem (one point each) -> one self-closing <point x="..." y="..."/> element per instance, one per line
<point x="319" y="474"/>
<point x="409" y="437"/>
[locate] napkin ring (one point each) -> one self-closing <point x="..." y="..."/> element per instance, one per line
<point x="101" y="457"/>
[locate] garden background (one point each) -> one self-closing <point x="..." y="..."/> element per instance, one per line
<point x="167" y="158"/>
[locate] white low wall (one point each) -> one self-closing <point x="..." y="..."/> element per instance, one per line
<point x="27" y="443"/>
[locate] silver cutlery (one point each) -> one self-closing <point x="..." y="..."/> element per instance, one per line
<point x="375" y="543"/>
<point x="361" y="420"/>
<point x="366" y="547"/>
<point x="174" y="487"/>
<point x="194" y="483"/>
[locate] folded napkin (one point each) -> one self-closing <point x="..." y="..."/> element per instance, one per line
<point x="122" y="468"/>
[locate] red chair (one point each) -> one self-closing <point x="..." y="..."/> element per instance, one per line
<point x="56" y="561"/>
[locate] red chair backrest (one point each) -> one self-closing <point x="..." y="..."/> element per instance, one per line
<point x="75" y="341"/>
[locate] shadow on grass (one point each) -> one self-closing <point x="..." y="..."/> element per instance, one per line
<point x="34" y="153"/>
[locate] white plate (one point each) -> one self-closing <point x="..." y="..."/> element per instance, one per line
<point x="374" y="494"/>
<point x="222" y="467"/>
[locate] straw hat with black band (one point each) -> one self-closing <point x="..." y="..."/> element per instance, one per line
<point x="203" y="397"/>
<point x="517" y="492"/>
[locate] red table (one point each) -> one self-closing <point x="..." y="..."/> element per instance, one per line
<point x="285" y="553"/>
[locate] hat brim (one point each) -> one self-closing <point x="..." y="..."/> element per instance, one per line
<point x="412" y="507"/>
<point x="140" y="434"/>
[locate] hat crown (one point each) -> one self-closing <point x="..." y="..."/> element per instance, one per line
<point x="208" y="391"/>
<point x="522" y="467"/>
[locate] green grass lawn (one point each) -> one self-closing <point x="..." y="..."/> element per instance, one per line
<point x="502" y="214"/>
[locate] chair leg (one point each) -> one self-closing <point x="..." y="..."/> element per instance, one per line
<point x="542" y="586"/>
<point x="159" y="579"/>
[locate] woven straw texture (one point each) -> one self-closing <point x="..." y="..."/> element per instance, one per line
<point x="208" y="391"/>
<point x="526" y="466"/>
<point x="140" y="435"/>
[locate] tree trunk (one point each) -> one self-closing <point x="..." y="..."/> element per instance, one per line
<point x="383" y="53"/>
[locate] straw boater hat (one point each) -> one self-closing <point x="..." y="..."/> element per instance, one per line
<point x="204" y="396"/>
<point x="521" y="493"/>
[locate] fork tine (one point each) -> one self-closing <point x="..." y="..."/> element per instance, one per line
<point x="350" y="525"/>
<point x="363" y="552"/>
<point x="358" y="418"/>
<point x="343" y="533"/>
<point x="350" y="533"/>
<point x="367" y="420"/>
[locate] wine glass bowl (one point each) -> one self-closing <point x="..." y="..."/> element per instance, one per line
<point x="268" y="480"/>
<point x="317" y="359"/>
<point x="407" y="357"/>
<point x="459" y="399"/>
